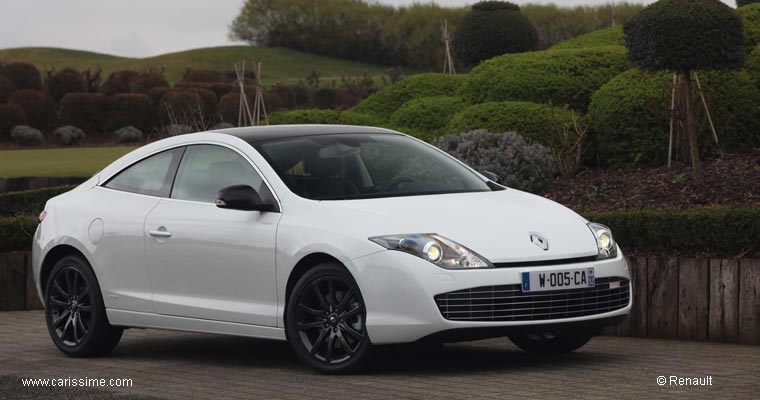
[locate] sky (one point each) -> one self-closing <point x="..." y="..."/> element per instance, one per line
<point x="143" y="28"/>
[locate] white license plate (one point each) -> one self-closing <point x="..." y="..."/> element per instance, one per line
<point x="539" y="281"/>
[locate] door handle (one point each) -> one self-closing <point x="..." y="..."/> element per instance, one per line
<point x="160" y="233"/>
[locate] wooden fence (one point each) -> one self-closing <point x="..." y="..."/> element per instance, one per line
<point x="674" y="298"/>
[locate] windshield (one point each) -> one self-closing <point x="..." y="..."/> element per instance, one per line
<point x="361" y="166"/>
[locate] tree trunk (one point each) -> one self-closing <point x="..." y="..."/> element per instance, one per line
<point x="691" y="129"/>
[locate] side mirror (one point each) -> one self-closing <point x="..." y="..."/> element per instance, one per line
<point x="491" y="176"/>
<point x="241" y="197"/>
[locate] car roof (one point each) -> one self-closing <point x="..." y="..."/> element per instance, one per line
<point x="254" y="134"/>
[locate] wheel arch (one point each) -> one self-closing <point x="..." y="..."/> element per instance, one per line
<point x="304" y="265"/>
<point x="52" y="257"/>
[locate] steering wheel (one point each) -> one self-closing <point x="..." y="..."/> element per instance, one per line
<point x="395" y="183"/>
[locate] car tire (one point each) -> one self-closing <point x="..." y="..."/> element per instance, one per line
<point x="74" y="310"/>
<point x="325" y="321"/>
<point x="551" y="342"/>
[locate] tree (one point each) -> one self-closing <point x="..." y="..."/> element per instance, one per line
<point x="686" y="36"/>
<point x="742" y="3"/>
<point x="493" y="28"/>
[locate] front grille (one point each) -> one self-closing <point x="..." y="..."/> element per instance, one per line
<point x="509" y="303"/>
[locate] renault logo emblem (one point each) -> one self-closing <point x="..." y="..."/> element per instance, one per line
<point x="539" y="241"/>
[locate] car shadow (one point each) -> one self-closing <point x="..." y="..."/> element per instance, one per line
<point x="462" y="358"/>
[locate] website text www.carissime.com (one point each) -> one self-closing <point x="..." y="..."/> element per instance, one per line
<point x="76" y="382"/>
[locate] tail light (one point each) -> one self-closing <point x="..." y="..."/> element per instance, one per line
<point x="42" y="216"/>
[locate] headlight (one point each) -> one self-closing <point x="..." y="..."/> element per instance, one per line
<point x="604" y="240"/>
<point x="436" y="249"/>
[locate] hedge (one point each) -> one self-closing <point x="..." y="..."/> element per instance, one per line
<point x="718" y="231"/>
<point x="65" y="81"/>
<point x="629" y="115"/>
<point x="753" y="64"/>
<point x="428" y="115"/>
<point x="532" y="121"/>
<point x="751" y="20"/>
<point x="125" y="109"/>
<point x="565" y="76"/>
<point x="16" y="233"/>
<point x="6" y="88"/>
<point x="385" y="102"/>
<point x="29" y="202"/>
<point x="23" y="75"/>
<point x="601" y="38"/>
<point x="10" y="116"/>
<point x="322" y="117"/>
<point x="87" y="111"/>
<point x="38" y="107"/>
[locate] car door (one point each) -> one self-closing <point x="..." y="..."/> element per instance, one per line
<point x="208" y="262"/>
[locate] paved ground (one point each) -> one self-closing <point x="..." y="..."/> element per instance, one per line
<point x="182" y="365"/>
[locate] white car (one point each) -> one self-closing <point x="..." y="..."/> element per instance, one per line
<point x="335" y="238"/>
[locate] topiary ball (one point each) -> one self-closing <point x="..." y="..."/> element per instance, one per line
<point x="146" y="81"/>
<point x="6" y="88"/>
<point x="88" y="111"/>
<point x="23" y="75"/>
<point x="426" y="117"/>
<point x="11" y="115"/>
<point x="493" y="28"/>
<point x="27" y="136"/>
<point x="128" y="134"/>
<point x="38" y="107"/>
<point x="686" y="35"/>
<point x="65" y="81"/>
<point x="69" y="135"/>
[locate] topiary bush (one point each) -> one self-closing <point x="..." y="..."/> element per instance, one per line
<point x="427" y="116"/>
<point x="229" y="106"/>
<point x="602" y="38"/>
<point x="23" y="75"/>
<point x="327" y="98"/>
<point x="38" y="107"/>
<point x="201" y="75"/>
<point x="134" y="109"/>
<point x="742" y="3"/>
<point x="10" y="116"/>
<point x="188" y="102"/>
<point x="490" y="29"/>
<point x="69" y="135"/>
<point x="89" y="111"/>
<point x="118" y="82"/>
<point x="519" y="164"/>
<point x="6" y="88"/>
<point x="751" y="20"/>
<point x="753" y="65"/>
<point x="565" y="76"/>
<point x="146" y="81"/>
<point x="297" y="117"/>
<point x="27" y="136"/>
<point x="65" y="81"/>
<point x="385" y="102"/>
<point x="532" y="121"/>
<point x="128" y="134"/>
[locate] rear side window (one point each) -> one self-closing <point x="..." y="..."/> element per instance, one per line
<point x="206" y="169"/>
<point x="152" y="176"/>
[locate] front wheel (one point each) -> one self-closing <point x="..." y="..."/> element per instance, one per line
<point x="325" y="321"/>
<point x="74" y="310"/>
<point x="551" y="342"/>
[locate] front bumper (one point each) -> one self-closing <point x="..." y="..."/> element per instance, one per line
<point x="399" y="291"/>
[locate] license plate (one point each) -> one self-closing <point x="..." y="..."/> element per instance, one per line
<point x="539" y="281"/>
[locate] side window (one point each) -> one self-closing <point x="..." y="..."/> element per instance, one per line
<point x="152" y="176"/>
<point x="206" y="169"/>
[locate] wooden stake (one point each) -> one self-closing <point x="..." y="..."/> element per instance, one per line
<point x="709" y="117"/>
<point x="448" y="62"/>
<point x="672" y="112"/>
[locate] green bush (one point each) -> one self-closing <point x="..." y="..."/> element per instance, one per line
<point x="493" y="28"/>
<point x="67" y="80"/>
<point x="38" y="107"/>
<point x="317" y="116"/>
<point x="23" y="75"/>
<point x="532" y="121"/>
<point x="716" y="231"/>
<point x="686" y="35"/>
<point x="751" y="19"/>
<point x="567" y="76"/>
<point x="126" y="109"/>
<point x="88" y="111"/>
<point x="29" y="202"/>
<point x="17" y="233"/>
<point x="630" y="122"/>
<point x="6" y="88"/>
<point x="601" y="38"/>
<point x="428" y="115"/>
<point x="753" y="64"/>
<point x="10" y="116"/>
<point x="385" y="102"/>
<point x="742" y="3"/>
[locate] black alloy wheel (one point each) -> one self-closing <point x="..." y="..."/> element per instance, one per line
<point x="74" y="310"/>
<point x="326" y="321"/>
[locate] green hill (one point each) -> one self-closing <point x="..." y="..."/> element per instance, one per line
<point x="277" y="63"/>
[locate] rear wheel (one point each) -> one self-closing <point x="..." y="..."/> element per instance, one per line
<point x="551" y="342"/>
<point x="326" y="321"/>
<point x="74" y="310"/>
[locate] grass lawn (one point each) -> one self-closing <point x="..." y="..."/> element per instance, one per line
<point x="277" y="63"/>
<point x="82" y="161"/>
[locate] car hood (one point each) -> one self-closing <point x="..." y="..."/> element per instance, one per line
<point x="497" y="225"/>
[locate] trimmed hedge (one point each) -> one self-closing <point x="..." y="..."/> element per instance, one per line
<point x="88" y="111"/>
<point x="532" y="121"/>
<point x="629" y="117"/>
<point x="566" y="76"/>
<point x="322" y="117"/>
<point x="23" y="75"/>
<point x="385" y="102"/>
<point x="717" y="231"/>
<point x="751" y="19"/>
<point x="10" y="116"/>
<point x="126" y="109"/>
<point x="38" y="107"/>
<point x="65" y="81"/>
<point x="29" y="202"/>
<point x="601" y="38"/>
<point x="6" y="88"/>
<point x="753" y="65"/>
<point x="146" y="81"/>
<point x="428" y="115"/>
<point x="17" y="233"/>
